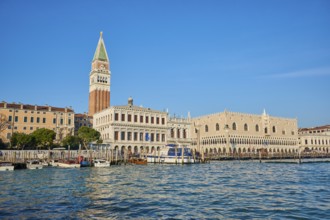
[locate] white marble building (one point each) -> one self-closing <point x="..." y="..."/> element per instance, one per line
<point x="226" y="132"/>
<point x="139" y="129"/>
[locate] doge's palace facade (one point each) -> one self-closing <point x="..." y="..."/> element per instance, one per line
<point x="227" y="132"/>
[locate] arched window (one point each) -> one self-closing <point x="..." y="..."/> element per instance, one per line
<point x="234" y="126"/>
<point x="217" y="127"/>
<point x="257" y="128"/>
<point x="274" y="129"/>
<point x="245" y="127"/>
<point x="206" y="128"/>
<point x="266" y="130"/>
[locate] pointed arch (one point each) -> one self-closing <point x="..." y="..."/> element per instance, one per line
<point x="234" y="126"/>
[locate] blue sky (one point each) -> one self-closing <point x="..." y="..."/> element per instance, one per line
<point x="201" y="56"/>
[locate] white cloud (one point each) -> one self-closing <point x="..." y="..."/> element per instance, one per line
<point x="325" y="71"/>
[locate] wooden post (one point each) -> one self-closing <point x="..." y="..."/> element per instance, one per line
<point x="176" y="155"/>
<point x="125" y="156"/>
<point x="111" y="156"/>
<point x="14" y="157"/>
<point x="116" y="157"/>
<point x="90" y="156"/>
<point x="182" y="155"/>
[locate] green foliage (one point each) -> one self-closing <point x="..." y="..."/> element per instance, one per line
<point x="73" y="141"/>
<point x="21" y="140"/>
<point x="88" y="135"/>
<point x="44" y="137"/>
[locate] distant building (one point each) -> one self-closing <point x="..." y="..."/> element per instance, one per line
<point x="179" y="130"/>
<point x="27" y="118"/>
<point x="99" y="80"/>
<point x="315" y="138"/>
<point x="130" y="127"/>
<point x="226" y="132"/>
<point x="82" y="120"/>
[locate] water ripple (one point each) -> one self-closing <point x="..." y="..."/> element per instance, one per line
<point x="219" y="190"/>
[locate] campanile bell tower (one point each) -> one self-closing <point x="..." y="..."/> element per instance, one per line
<point x="99" y="80"/>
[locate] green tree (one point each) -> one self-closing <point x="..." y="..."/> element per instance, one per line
<point x="44" y="137"/>
<point x="88" y="135"/>
<point x="21" y="140"/>
<point x="73" y="141"/>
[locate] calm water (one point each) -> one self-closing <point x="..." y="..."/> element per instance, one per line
<point x="219" y="190"/>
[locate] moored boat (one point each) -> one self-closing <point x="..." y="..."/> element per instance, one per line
<point x="34" y="165"/>
<point x="68" y="164"/>
<point x="101" y="163"/>
<point x="54" y="163"/>
<point x="44" y="163"/>
<point x="172" y="154"/>
<point x="6" y="166"/>
<point x="84" y="162"/>
<point x="138" y="161"/>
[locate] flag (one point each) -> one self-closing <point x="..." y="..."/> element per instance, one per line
<point x="147" y="137"/>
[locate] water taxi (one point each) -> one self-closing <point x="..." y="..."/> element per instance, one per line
<point x="172" y="154"/>
<point x="34" y="165"/>
<point x="101" y="163"/>
<point x="6" y="166"/>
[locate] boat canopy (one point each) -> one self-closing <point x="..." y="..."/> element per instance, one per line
<point x="187" y="152"/>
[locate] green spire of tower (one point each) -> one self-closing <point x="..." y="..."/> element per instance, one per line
<point x="101" y="53"/>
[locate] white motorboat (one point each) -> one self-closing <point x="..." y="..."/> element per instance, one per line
<point x="6" y="166"/>
<point x="54" y="163"/>
<point x="34" y="165"/>
<point x="172" y="154"/>
<point x="44" y="163"/>
<point x="68" y="164"/>
<point x="101" y="163"/>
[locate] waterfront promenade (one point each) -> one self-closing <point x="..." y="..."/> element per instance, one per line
<point x="21" y="156"/>
<point x="118" y="157"/>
